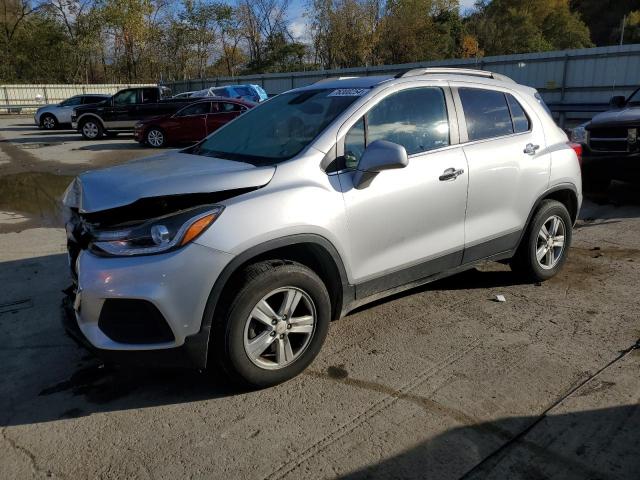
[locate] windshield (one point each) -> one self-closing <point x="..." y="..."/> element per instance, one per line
<point x="279" y="128"/>
<point x="634" y="99"/>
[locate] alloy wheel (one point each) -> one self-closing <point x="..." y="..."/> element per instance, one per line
<point x="48" y="122"/>
<point x="90" y="130"/>
<point x="550" y="243"/>
<point x="279" y="328"/>
<point x="155" y="138"/>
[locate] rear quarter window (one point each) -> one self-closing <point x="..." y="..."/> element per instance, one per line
<point x="521" y="122"/>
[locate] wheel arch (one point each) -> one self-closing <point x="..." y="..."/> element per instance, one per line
<point x="51" y="114"/>
<point x="86" y="116"/>
<point x="565" y="193"/>
<point x="313" y="251"/>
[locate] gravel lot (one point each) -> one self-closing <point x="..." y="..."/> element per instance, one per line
<point x="440" y="382"/>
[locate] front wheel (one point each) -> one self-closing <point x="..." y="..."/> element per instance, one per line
<point x="155" y="138"/>
<point x="274" y="325"/>
<point x="91" y="129"/>
<point x="49" y="122"/>
<point x="544" y="248"/>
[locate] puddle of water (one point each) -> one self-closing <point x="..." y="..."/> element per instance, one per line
<point x="37" y="196"/>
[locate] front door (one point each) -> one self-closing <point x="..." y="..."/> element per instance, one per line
<point x="221" y="114"/>
<point x="121" y="114"/>
<point x="407" y="224"/>
<point x="189" y="125"/>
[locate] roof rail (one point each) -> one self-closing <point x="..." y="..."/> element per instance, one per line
<point x="453" y="71"/>
<point x="331" y="79"/>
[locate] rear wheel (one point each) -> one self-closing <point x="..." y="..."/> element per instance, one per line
<point x="544" y="249"/>
<point x="274" y="325"/>
<point x="155" y="137"/>
<point x="91" y="129"/>
<point x="49" y="122"/>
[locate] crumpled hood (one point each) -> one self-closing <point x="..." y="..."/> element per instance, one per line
<point x="616" y="118"/>
<point x="171" y="173"/>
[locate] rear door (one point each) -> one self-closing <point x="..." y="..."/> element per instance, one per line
<point x="222" y="113"/>
<point x="508" y="167"/>
<point x="66" y="109"/>
<point x="408" y="223"/>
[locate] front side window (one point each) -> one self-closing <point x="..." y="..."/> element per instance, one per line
<point x="127" y="97"/>
<point x="486" y="113"/>
<point x="201" y="108"/>
<point x="70" y="102"/>
<point x="415" y="118"/>
<point x="278" y="129"/>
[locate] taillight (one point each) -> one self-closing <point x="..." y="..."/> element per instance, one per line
<point x="578" y="149"/>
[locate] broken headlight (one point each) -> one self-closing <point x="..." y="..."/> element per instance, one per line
<point x="157" y="235"/>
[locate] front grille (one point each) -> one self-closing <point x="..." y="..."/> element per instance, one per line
<point x="609" y="139"/>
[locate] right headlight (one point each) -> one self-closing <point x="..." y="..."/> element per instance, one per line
<point x="158" y="235"/>
<point x="579" y="134"/>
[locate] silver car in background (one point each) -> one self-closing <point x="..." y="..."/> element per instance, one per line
<point x="237" y="253"/>
<point x="58" y="115"/>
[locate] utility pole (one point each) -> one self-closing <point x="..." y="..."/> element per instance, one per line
<point x="624" y="20"/>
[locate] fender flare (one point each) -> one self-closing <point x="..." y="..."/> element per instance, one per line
<point x="556" y="188"/>
<point x="198" y="344"/>
<point x="90" y="115"/>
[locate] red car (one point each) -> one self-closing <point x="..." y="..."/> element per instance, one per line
<point x="191" y="123"/>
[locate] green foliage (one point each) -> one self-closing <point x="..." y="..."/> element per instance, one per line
<point x="518" y="26"/>
<point x="152" y="40"/>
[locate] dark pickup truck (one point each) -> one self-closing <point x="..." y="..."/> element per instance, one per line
<point x="611" y="144"/>
<point x="123" y="110"/>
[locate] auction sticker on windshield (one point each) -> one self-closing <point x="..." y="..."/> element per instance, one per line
<point x="348" y="92"/>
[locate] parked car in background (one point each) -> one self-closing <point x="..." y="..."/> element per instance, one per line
<point x="253" y="93"/>
<point x="190" y="124"/>
<point x="58" y="115"/>
<point x="611" y="143"/>
<point x="184" y="95"/>
<point x="236" y="253"/>
<point x="121" y="112"/>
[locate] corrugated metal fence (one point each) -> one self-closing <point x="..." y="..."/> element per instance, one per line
<point x="575" y="83"/>
<point x="18" y="98"/>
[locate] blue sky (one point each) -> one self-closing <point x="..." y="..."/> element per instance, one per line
<point x="298" y="21"/>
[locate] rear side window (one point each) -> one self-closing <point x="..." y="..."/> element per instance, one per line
<point x="200" y="108"/>
<point x="520" y="120"/>
<point x="486" y="113"/>
<point x="149" y="95"/>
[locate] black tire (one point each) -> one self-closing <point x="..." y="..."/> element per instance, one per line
<point x="91" y="129"/>
<point x="49" y="122"/>
<point x="229" y="328"/>
<point x="525" y="261"/>
<point x="155" y="137"/>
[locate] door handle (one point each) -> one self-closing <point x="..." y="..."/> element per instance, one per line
<point x="530" y="149"/>
<point x="451" y="174"/>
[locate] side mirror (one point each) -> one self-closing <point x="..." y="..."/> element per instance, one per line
<point x="378" y="156"/>
<point x="617" y="102"/>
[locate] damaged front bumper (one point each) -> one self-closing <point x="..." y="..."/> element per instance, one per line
<point x="144" y="310"/>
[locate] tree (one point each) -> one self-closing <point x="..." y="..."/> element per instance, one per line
<point x="518" y="26"/>
<point x="604" y="17"/>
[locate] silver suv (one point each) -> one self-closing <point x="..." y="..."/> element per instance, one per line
<point x="239" y="251"/>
